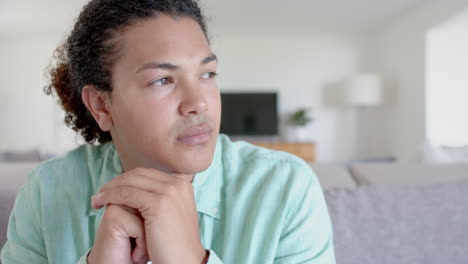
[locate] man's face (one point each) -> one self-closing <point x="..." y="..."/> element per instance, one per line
<point x="165" y="104"/>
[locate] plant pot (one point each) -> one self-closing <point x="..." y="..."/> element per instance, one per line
<point x="298" y="133"/>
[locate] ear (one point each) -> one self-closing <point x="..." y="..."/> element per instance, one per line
<point x="99" y="106"/>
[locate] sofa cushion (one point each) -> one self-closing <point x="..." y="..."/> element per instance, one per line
<point x="333" y="176"/>
<point x="401" y="173"/>
<point x="12" y="177"/>
<point x="400" y="224"/>
<point x="33" y="155"/>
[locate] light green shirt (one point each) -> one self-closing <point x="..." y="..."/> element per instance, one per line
<point x="254" y="206"/>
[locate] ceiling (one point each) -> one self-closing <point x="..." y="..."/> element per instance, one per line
<point x="232" y="17"/>
<point x="459" y="21"/>
<point x="271" y="16"/>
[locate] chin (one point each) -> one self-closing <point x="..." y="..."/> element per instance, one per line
<point x="193" y="159"/>
<point x="192" y="165"/>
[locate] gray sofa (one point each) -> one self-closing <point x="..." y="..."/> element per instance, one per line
<point x="398" y="213"/>
<point x="381" y="213"/>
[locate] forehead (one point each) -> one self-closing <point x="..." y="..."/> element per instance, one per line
<point x="163" y="38"/>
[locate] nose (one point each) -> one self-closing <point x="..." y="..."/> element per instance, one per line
<point x="193" y="103"/>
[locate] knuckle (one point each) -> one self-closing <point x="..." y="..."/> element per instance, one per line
<point x="122" y="179"/>
<point x="163" y="200"/>
<point x="172" y="189"/>
<point x="116" y="222"/>
<point x="124" y="192"/>
<point x="113" y="214"/>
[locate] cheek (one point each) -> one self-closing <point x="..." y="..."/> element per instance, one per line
<point x="214" y="102"/>
<point x="154" y="118"/>
<point x="142" y="117"/>
<point x="213" y="97"/>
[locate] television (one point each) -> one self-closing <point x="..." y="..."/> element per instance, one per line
<point x="249" y="114"/>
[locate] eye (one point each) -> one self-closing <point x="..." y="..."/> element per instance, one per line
<point x="162" y="81"/>
<point x="209" y="75"/>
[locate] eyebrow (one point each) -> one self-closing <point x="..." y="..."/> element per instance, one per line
<point x="170" y="66"/>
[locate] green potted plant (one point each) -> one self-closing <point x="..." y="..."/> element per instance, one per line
<point x="300" y="117"/>
<point x="298" y="121"/>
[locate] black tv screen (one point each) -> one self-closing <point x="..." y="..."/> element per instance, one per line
<point x="249" y="114"/>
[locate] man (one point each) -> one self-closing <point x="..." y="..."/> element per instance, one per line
<point x="138" y="76"/>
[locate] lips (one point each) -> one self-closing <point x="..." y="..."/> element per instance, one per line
<point x="196" y="135"/>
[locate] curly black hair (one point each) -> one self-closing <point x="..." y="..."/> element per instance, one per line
<point x="92" y="47"/>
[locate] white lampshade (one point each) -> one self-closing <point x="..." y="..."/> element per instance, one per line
<point x="363" y="90"/>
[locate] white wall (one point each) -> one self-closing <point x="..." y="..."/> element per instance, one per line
<point x="300" y="68"/>
<point x="403" y="65"/>
<point x="28" y="117"/>
<point x="378" y="139"/>
<point x="447" y="83"/>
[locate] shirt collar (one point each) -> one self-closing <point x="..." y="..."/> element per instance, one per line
<point x="206" y="184"/>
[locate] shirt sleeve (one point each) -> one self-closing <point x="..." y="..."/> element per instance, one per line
<point x="307" y="235"/>
<point x="25" y="242"/>
<point x="25" y="239"/>
<point x="213" y="259"/>
<point x="84" y="258"/>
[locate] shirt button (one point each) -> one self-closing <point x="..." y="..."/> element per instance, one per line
<point x="215" y="210"/>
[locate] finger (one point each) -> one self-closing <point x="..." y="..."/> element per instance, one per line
<point x="140" y="252"/>
<point x="130" y="210"/>
<point x="133" y="228"/>
<point x="144" y="260"/>
<point x="124" y="195"/>
<point x="143" y="178"/>
<point x="144" y="183"/>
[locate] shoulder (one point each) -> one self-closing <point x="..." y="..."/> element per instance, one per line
<point x="242" y="154"/>
<point x="74" y="167"/>
<point x="278" y="170"/>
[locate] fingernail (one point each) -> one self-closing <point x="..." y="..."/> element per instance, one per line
<point x="96" y="196"/>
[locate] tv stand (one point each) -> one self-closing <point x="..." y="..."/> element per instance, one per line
<point x="304" y="150"/>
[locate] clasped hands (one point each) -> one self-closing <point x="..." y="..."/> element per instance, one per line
<point x="157" y="210"/>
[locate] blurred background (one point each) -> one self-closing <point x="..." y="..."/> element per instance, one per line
<point x="359" y="80"/>
<point x="372" y="93"/>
